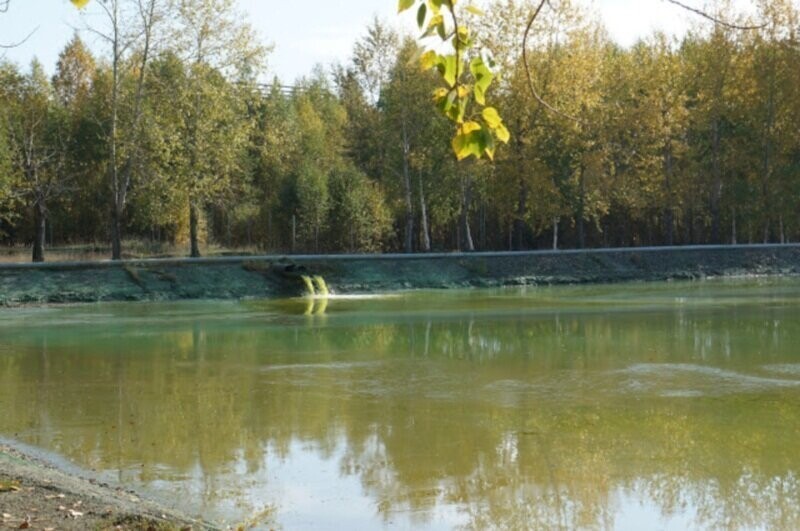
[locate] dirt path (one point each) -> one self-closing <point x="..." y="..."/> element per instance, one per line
<point x="35" y="494"/>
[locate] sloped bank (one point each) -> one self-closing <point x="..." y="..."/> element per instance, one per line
<point x="273" y="276"/>
<point x="36" y="494"/>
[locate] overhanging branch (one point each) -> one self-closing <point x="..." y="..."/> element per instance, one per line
<point x="529" y="70"/>
<point x="714" y="19"/>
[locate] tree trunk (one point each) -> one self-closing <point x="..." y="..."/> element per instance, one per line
<point x="767" y="174"/>
<point x="120" y="181"/>
<point x="555" y="233"/>
<point x="579" y="221"/>
<point x="669" y="216"/>
<point x="426" y="234"/>
<point x="482" y="227"/>
<point x="408" y="236"/>
<point x="734" y="235"/>
<point x="229" y="231"/>
<point x="268" y="245"/>
<point x="716" y="187"/>
<point x="194" y="221"/>
<point x="40" y="219"/>
<point x="519" y="219"/>
<point x="116" y="233"/>
<point x="466" y="198"/>
<point x="294" y="233"/>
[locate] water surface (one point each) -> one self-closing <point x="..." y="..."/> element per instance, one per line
<point x="668" y="406"/>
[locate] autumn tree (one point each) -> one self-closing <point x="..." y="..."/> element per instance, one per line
<point x="84" y="210"/>
<point x="36" y="131"/>
<point x="219" y="48"/>
<point x="130" y="30"/>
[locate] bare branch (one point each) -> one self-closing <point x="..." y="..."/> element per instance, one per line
<point x="19" y="43"/>
<point x="714" y="19"/>
<point x="4" y="5"/>
<point x="529" y="70"/>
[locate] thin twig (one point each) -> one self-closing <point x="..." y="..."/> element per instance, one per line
<point x="715" y="20"/>
<point x="528" y="70"/>
<point x="23" y="41"/>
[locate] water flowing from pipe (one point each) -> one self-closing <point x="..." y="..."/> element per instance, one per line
<point x="309" y="285"/>
<point x="322" y="286"/>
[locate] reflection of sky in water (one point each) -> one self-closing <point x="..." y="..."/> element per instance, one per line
<point x="315" y="493"/>
<point x="648" y="406"/>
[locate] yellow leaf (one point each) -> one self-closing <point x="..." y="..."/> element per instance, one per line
<point x="492" y="117"/>
<point x="470" y="141"/>
<point x="461" y="147"/>
<point x="469" y="127"/>
<point x="402" y="5"/>
<point x="440" y="93"/>
<point x="428" y="60"/>
<point x="80" y="4"/>
<point x="502" y="134"/>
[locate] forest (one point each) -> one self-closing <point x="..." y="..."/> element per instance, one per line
<point x="166" y="132"/>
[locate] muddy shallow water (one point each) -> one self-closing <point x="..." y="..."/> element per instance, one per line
<point x="671" y="405"/>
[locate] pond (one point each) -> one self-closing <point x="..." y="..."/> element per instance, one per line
<point x="671" y="405"/>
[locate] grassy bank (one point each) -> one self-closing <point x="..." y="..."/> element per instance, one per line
<point x="266" y="277"/>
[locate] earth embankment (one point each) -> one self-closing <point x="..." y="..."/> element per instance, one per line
<point x="277" y="276"/>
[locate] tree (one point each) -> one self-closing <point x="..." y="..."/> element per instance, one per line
<point x="36" y="131"/>
<point x="84" y="210"/>
<point x="7" y="171"/>
<point x="129" y="29"/>
<point x="320" y="125"/>
<point x="766" y="83"/>
<point x="711" y="66"/>
<point x="649" y="135"/>
<point x="75" y="69"/>
<point x="527" y="197"/>
<point x="359" y="218"/>
<point x="404" y="123"/>
<point x="374" y="57"/>
<point x="220" y="48"/>
<point x="275" y="146"/>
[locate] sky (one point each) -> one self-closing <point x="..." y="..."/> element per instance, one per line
<point x="323" y="33"/>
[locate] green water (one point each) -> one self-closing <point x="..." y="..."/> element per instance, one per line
<point x="667" y="406"/>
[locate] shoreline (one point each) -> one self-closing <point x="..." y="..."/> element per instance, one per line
<point x="38" y="491"/>
<point x="266" y="277"/>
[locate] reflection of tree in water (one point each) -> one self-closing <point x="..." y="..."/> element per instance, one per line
<point x="518" y="422"/>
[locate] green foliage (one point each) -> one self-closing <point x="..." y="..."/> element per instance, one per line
<point x="467" y="76"/>
<point x="690" y="141"/>
<point x="360" y="220"/>
<point x="7" y="173"/>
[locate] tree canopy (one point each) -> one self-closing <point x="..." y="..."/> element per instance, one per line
<point x="166" y="134"/>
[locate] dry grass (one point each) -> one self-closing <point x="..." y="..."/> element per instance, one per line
<point x="134" y="249"/>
